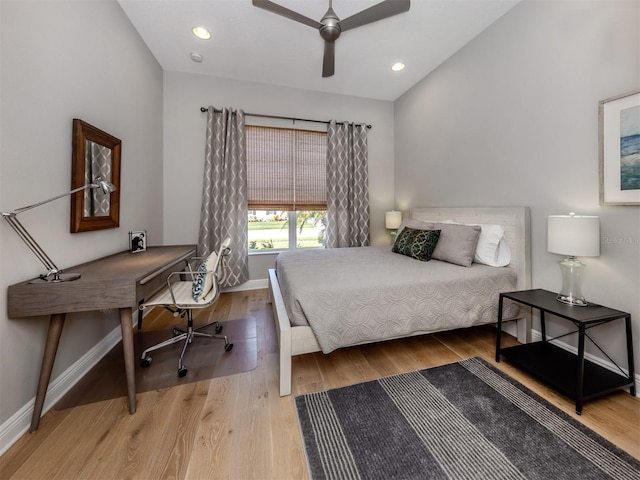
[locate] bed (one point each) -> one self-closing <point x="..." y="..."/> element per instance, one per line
<point x="382" y="295"/>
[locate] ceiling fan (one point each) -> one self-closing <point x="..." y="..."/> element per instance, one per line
<point x="330" y="26"/>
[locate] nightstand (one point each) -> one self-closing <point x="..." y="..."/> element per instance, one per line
<point x="570" y="374"/>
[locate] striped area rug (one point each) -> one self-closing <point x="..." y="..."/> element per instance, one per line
<point x="465" y="420"/>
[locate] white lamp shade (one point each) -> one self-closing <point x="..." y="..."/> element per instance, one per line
<point x="573" y="235"/>
<point x="392" y="220"/>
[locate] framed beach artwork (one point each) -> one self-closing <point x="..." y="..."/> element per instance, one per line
<point x="619" y="122"/>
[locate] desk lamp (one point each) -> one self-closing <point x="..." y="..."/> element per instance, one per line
<point x="574" y="236"/>
<point x="54" y="274"/>
<point x="392" y="221"/>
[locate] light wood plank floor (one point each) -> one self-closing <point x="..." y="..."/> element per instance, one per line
<point x="238" y="427"/>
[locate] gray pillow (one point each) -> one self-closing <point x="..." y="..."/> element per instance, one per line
<point x="457" y="243"/>
<point x="415" y="224"/>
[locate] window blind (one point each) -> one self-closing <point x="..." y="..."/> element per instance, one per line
<point x="286" y="169"/>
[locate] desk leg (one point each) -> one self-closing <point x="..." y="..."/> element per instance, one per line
<point x="126" y="325"/>
<point x="51" y="348"/>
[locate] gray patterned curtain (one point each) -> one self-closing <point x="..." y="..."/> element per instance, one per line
<point x="347" y="185"/>
<point x="224" y="192"/>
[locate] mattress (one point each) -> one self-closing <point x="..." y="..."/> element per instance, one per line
<point x="350" y="296"/>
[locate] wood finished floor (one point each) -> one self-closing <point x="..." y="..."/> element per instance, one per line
<point x="238" y="427"/>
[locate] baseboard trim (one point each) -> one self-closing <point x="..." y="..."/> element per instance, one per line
<point x="250" y="285"/>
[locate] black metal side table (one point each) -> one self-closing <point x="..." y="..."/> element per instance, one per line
<point x="570" y="374"/>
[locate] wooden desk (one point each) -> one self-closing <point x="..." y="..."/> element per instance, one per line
<point x="118" y="281"/>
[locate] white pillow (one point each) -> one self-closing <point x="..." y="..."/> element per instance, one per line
<point x="492" y="248"/>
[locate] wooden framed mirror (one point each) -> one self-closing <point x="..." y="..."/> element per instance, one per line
<point x="96" y="156"/>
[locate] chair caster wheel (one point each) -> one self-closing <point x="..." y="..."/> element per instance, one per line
<point x="228" y="346"/>
<point x="182" y="371"/>
<point x="218" y="328"/>
<point x="176" y="332"/>
<point x="145" y="362"/>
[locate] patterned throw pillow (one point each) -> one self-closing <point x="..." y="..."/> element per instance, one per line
<point x="418" y="244"/>
<point x="203" y="282"/>
<point x="198" y="282"/>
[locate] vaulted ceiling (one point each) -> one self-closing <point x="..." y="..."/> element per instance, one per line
<point x="252" y="44"/>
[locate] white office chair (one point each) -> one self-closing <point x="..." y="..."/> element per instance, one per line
<point x="187" y="290"/>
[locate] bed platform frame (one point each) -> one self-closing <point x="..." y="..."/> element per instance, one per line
<point x="298" y="340"/>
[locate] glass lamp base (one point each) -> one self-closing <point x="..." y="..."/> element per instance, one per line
<point x="572" y="273"/>
<point x="578" y="302"/>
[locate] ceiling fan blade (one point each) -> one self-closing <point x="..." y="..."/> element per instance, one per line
<point x="385" y="9"/>
<point x="285" y="12"/>
<point x="329" y="59"/>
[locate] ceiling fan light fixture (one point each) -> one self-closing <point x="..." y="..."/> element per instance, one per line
<point x="398" y="66"/>
<point x="330" y="26"/>
<point x="201" y="33"/>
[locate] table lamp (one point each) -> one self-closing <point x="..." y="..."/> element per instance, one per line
<point x="573" y="236"/>
<point x="54" y="274"/>
<point x="392" y="221"/>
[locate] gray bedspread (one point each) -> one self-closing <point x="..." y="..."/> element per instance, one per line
<point x="350" y="296"/>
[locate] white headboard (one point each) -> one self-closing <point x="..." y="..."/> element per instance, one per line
<point x="514" y="220"/>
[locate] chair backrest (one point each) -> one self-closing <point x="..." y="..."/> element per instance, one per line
<point x="212" y="272"/>
<point x="220" y="267"/>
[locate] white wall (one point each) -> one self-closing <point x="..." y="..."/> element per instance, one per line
<point x="184" y="137"/>
<point x="63" y="60"/>
<point x="512" y="119"/>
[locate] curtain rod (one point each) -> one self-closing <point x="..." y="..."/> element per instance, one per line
<point x="261" y="115"/>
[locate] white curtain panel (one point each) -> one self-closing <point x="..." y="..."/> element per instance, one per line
<point x="224" y="191"/>
<point x="347" y="185"/>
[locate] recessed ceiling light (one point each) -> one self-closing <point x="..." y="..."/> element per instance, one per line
<point x="196" y="57"/>
<point x="201" y="32"/>
<point x="396" y="67"/>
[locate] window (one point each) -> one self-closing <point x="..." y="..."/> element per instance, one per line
<point x="278" y="230"/>
<point x="286" y="187"/>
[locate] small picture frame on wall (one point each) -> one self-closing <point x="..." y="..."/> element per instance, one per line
<point x="619" y="138"/>
<point x="138" y="241"/>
